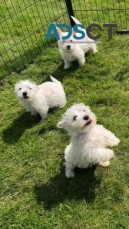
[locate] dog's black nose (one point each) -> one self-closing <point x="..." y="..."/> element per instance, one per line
<point x="68" y="47"/>
<point x="86" y="117"/>
<point x="24" y="93"/>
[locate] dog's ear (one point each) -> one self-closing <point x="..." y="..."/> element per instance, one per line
<point x="16" y="88"/>
<point x="59" y="31"/>
<point x="60" y="124"/>
<point x="37" y="88"/>
<point x="73" y="32"/>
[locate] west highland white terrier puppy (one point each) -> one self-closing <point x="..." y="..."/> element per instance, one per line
<point x="89" y="141"/>
<point x="71" y="49"/>
<point x="39" y="98"/>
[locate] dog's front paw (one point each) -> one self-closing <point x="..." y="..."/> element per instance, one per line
<point x="69" y="173"/>
<point x="82" y="62"/>
<point x="95" y="51"/>
<point x="33" y="113"/>
<point x="43" y="117"/>
<point x="67" y="66"/>
<point x="105" y="163"/>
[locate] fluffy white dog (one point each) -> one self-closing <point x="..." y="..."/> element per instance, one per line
<point x="39" y="98"/>
<point x="70" y="50"/>
<point x="89" y="141"/>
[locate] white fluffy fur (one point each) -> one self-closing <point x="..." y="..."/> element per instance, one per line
<point x="70" y="50"/>
<point x="89" y="141"/>
<point x="39" y="98"/>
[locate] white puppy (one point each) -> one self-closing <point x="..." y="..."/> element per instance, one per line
<point x="72" y="49"/>
<point x="39" y="98"/>
<point x="89" y="141"/>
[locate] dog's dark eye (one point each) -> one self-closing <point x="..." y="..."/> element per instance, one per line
<point x="71" y="41"/>
<point x="74" y="117"/>
<point x="84" y="110"/>
<point x="19" y="88"/>
<point x="30" y="88"/>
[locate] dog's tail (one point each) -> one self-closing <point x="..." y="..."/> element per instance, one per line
<point x="75" y="20"/>
<point x="54" y="80"/>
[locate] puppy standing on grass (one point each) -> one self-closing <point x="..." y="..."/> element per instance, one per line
<point x="39" y="98"/>
<point x="89" y="141"/>
<point x="70" y="50"/>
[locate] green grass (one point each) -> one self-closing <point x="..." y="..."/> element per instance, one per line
<point x="22" y="31"/>
<point x="34" y="191"/>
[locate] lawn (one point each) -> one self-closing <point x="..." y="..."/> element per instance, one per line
<point x="23" y="28"/>
<point x="34" y="191"/>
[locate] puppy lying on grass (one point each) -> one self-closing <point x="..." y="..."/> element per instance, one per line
<point x="37" y="99"/>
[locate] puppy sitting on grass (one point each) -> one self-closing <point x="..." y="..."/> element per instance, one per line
<point x="37" y="99"/>
<point x="89" y="141"/>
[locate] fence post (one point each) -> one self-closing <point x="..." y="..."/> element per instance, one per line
<point x="70" y="11"/>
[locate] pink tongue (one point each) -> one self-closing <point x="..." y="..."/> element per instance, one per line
<point x="89" y="121"/>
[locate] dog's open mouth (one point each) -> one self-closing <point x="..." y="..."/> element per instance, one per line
<point x="88" y="122"/>
<point x="25" y="97"/>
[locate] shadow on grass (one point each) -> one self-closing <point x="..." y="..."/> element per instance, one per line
<point x="46" y="129"/>
<point x="48" y="126"/>
<point x="122" y="74"/>
<point x="60" y="73"/>
<point x="13" y="133"/>
<point x="24" y="59"/>
<point x="60" y="188"/>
